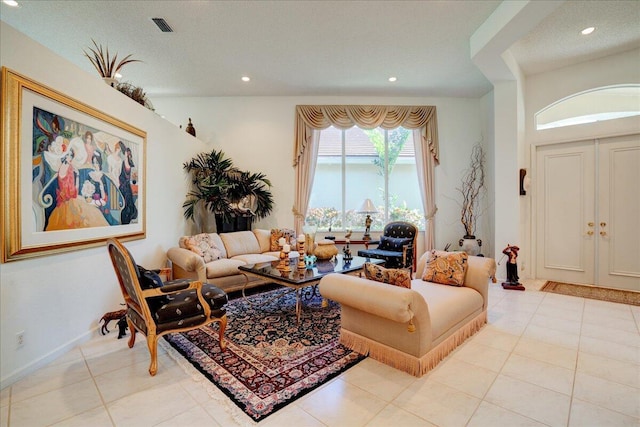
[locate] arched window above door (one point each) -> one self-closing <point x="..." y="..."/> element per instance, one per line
<point x="599" y="104"/>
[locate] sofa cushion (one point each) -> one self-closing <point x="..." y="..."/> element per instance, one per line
<point x="223" y="267"/>
<point x="392" y="276"/>
<point x="288" y="234"/>
<point x="203" y="245"/>
<point x="255" y="258"/>
<point x="264" y="239"/>
<point x="447" y="268"/>
<point x="393" y="244"/>
<point x="240" y="243"/>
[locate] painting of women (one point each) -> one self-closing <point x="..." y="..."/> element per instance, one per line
<point x="72" y="211"/>
<point x="94" y="189"/>
<point x="130" y="211"/>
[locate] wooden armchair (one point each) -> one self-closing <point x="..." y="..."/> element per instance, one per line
<point x="396" y="246"/>
<point x="175" y="306"/>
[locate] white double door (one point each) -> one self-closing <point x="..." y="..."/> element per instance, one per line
<point x="587" y="212"/>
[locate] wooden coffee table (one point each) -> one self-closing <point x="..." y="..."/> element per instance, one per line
<point x="297" y="279"/>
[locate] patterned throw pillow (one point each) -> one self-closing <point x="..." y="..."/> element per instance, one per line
<point x="202" y="244"/>
<point x="446" y="268"/>
<point x="393" y="244"/>
<point x="289" y="236"/>
<point x="392" y="276"/>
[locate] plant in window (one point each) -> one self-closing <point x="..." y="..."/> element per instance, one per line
<point x="471" y="189"/>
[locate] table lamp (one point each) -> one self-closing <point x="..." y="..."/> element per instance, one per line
<point x="367" y="208"/>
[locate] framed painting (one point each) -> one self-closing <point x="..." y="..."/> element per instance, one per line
<point x="72" y="176"/>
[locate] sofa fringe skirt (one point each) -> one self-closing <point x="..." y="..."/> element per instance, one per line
<point x="416" y="366"/>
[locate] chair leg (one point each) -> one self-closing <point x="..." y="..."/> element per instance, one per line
<point x="152" y="343"/>
<point x="223" y="326"/>
<point x="132" y="329"/>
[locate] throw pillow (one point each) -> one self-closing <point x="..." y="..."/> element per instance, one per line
<point x="289" y="236"/>
<point x="393" y="244"/>
<point x="149" y="279"/>
<point x="392" y="276"/>
<point x="446" y="268"/>
<point x="201" y="244"/>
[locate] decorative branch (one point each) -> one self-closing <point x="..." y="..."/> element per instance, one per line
<point x="471" y="190"/>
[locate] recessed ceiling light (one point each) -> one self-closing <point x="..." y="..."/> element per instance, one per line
<point x="12" y="3"/>
<point x="245" y="78"/>
<point x="393" y="79"/>
<point x="588" y="31"/>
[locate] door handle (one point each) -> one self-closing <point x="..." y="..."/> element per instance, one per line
<point x="590" y="233"/>
<point x="590" y="224"/>
<point x="603" y="233"/>
<point x="603" y="224"/>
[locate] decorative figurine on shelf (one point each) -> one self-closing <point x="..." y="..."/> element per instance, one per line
<point x="512" y="282"/>
<point x="190" y="129"/>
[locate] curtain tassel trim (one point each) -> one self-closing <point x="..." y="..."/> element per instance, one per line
<point x="416" y="366"/>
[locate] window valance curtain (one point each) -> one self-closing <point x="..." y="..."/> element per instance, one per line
<point x="310" y="119"/>
<point x="317" y="117"/>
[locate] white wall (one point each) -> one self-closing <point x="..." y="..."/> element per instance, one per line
<point x="257" y="133"/>
<point x="58" y="300"/>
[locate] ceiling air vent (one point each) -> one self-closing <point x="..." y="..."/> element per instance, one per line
<point x="162" y="24"/>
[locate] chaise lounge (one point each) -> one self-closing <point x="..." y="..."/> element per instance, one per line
<point x="412" y="329"/>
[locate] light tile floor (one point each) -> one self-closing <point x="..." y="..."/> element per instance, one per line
<point x="543" y="360"/>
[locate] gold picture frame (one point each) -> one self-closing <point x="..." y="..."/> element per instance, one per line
<point x="72" y="176"/>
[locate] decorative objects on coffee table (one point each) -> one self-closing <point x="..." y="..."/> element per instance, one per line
<point x="326" y="249"/>
<point x="310" y="238"/>
<point x="301" y="242"/>
<point x="296" y="281"/>
<point x="367" y="208"/>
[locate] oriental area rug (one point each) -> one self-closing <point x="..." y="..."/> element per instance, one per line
<point x="593" y="292"/>
<point x="270" y="361"/>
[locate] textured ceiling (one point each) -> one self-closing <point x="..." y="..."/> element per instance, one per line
<point x="291" y="48"/>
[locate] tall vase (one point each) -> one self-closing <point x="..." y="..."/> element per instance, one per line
<point x="310" y="238"/>
<point x="470" y="245"/>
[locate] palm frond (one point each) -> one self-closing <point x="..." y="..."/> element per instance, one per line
<point x="102" y="61"/>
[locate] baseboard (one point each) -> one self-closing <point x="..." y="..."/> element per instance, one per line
<point x="26" y="370"/>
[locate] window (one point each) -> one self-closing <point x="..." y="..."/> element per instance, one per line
<point x="357" y="164"/>
<point x="600" y="104"/>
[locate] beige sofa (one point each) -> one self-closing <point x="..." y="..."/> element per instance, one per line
<point x="410" y="329"/>
<point x="237" y="248"/>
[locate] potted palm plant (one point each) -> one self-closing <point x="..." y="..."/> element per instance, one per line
<point x="234" y="196"/>
<point x="105" y="64"/>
